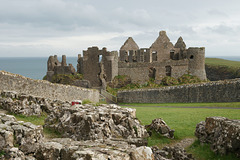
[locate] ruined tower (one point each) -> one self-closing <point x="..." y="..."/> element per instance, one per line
<point x="95" y="62"/>
<point x="196" y="57"/>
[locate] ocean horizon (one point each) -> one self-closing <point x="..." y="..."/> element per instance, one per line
<point x="36" y="67"/>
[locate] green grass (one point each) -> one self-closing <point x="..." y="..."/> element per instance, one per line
<point x="37" y="120"/>
<point x="50" y="133"/>
<point x="182" y="120"/>
<point x="226" y="104"/>
<point x="221" y="62"/>
<point x="2" y="153"/>
<point x="203" y="152"/>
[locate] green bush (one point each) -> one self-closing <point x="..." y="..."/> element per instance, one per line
<point x="169" y="81"/>
<point x="66" y="78"/>
<point x="186" y="79"/>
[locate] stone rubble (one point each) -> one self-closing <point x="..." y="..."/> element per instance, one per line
<point x="171" y="153"/>
<point x="18" y="138"/>
<point x="221" y="133"/>
<point x="159" y="125"/>
<point x="27" y="105"/>
<point x="88" y="122"/>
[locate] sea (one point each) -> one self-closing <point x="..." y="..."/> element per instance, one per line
<point x="36" y="67"/>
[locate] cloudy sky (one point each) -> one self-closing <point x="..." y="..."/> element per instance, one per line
<point x="39" y="28"/>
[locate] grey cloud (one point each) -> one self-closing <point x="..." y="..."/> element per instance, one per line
<point x="37" y="21"/>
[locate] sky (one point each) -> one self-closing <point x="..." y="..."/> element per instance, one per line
<point x="40" y="28"/>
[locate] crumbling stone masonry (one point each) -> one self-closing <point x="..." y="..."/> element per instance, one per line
<point x="161" y="59"/>
<point x="55" y="67"/>
<point x="95" y="63"/>
<point x="221" y="133"/>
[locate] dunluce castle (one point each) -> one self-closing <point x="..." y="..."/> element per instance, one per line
<point x="161" y="59"/>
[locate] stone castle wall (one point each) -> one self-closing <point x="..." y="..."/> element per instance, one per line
<point x="18" y="83"/>
<point x="139" y="71"/>
<point x="218" y="91"/>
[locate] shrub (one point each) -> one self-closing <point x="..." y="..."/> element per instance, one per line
<point x="186" y="78"/>
<point x="169" y="81"/>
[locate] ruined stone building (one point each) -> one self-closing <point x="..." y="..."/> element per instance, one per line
<point x="161" y="59"/>
<point x="56" y="67"/>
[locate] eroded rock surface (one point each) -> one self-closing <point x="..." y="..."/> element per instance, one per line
<point x="17" y="138"/>
<point x="88" y="122"/>
<point x="160" y="126"/>
<point x="171" y="153"/>
<point x="66" y="148"/>
<point x="223" y="134"/>
<point x="28" y="105"/>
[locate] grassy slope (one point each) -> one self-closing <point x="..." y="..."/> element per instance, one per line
<point x="222" y="62"/>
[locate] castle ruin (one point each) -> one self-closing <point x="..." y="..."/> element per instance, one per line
<point x="161" y="59"/>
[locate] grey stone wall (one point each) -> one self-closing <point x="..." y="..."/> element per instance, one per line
<point x="18" y="83"/>
<point x="139" y="71"/>
<point x="218" y="91"/>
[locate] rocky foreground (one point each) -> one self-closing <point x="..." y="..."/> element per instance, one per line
<point x="88" y="131"/>
<point x="97" y="132"/>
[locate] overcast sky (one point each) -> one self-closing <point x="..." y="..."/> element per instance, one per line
<point x="39" y="28"/>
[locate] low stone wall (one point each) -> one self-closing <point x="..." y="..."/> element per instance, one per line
<point x="221" y="133"/>
<point x="18" y="83"/>
<point x="218" y="91"/>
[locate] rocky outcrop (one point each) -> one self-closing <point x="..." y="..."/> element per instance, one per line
<point x="66" y="148"/>
<point x="158" y="125"/>
<point x="18" y="139"/>
<point x="28" y="105"/>
<point x="88" y="122"/>
<point x="171" y="153"/>
<point x="221" y="133"/>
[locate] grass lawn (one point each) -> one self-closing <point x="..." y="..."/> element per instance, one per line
<point x="227" y="104"/>
<point x="221" y="62"/>
<point x="182" y="120"/>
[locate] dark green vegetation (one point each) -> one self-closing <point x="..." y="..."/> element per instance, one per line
<point x="2" y="153"/>
<point x="224" y="104"/>
<point x="123" y="82"/>
<point x="220" y="69"/>
<point x="65" y="78"/>
<point x="203" y="152"/>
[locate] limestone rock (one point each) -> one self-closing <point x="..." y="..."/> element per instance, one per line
<point x="160" y="126"/>
<point x="17" y="133"/>
<point x="142" y="153"/>
<point x="171" y="153"/>
<point x="88" y="122"/>
<point x="223" y="134"/>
